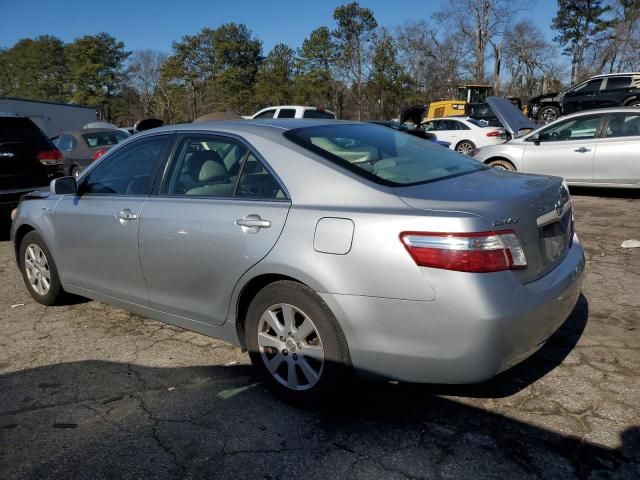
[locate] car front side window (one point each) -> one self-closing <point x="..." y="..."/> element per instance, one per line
<point x="580" y="128"/>
<point x="128" y="171"/>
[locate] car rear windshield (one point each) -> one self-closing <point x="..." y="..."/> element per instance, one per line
<point x="101" y="139"/>
<point x="317" y="114"/>
<point x="22" y="130"/>
<point x="384" y="155"/>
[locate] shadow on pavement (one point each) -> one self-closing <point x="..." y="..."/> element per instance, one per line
<point x="100" y="419"/>
<point x="630" y="193"/>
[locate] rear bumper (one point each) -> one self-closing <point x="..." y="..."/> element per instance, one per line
<point x="477" y="326"/>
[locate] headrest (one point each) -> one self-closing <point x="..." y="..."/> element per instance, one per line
<point x="210" y="170"/>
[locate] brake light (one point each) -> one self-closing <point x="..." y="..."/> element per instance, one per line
<point x="466" y="252"/>
<point x="50" y="157"/>
<point x="98" y="154"/>
<point x="494" y="133"/>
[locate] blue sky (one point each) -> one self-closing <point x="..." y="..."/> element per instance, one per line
<point x="154" y="25"/>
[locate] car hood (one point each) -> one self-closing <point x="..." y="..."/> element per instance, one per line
<point x="512" y="119"/>
<point x="546" y="96"/>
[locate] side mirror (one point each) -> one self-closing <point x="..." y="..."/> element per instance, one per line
<point x="535" y="138"/>
<point x="64" y="186"/>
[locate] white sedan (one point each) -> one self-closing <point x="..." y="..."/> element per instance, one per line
<point x="465" y="134"/>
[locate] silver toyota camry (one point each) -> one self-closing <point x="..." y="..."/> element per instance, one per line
<point x="321" y="247"/>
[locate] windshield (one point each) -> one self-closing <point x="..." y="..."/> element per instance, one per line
<point x="101" y="139"/>
<point x="382" y="154"/>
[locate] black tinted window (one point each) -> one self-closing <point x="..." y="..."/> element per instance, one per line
<point x="267" y="114"/>
<point x="129" y="171"/>
<point x="287" y="113"/>
<point x="22" y="130"/>
<point x="614" y="83"/>
<point x="318" y="114"/>
<point x="592" y="86"/>
<point x="257" y="182"/>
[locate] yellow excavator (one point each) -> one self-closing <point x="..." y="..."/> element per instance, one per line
<point x="467" y="95"/>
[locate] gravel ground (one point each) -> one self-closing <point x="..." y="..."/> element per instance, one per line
<point x="90" y="391"/>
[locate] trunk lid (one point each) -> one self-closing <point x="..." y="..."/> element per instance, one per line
<point x="536" y="207"/>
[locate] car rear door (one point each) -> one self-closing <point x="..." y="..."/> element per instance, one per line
<point x="566" y="148"/>
<point x="616" y="157"/>
<point x="208" y="225"/>
<point x="96" y="231"/>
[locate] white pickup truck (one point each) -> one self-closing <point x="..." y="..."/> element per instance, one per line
<point x="293" y="111"/>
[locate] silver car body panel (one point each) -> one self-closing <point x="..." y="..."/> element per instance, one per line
<point x="605" y="162"/>
<point x="400" y="320"/>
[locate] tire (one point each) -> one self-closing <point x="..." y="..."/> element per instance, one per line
<point x="278" y="351"/>
<point x="465" y="147"/>
<point x="501" y="164"/>
<point x="39" y="270"/>
<point x="634" y="102"/>
<point x="548" y="114"/>
<point x="75" y="171"/>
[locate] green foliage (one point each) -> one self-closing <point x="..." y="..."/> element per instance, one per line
<point x="35" y="69"/>
<point x="274" y="85"/>
<point x="96" y="70"/>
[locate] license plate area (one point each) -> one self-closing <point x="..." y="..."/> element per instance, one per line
<point x="555" y="238"/>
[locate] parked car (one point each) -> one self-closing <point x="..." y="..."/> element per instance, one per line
<point x="81" y="147"/>
<point x="601" y="91"/>
<point x="28" y="160"/>
<point x="464" y="134"/>
<point x="592" y="148"/>
<point x="293" y="111"/>
<point x="412" y="263"/>
<point x="415" y="131"/>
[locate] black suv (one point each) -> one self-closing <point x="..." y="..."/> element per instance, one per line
<point x="601" y="91"/>
<point x="28" y="161"/>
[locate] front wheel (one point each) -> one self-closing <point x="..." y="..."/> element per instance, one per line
<point x="548" y="114"/>
<point x="465" y="147"/>
<point x="39" y="271"/>
<point x="295" y="342"/>
<point x="502" y="165"/>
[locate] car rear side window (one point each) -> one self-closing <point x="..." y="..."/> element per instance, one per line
<point x="318" y="114"/>
<point x="257" y="182"/>
<point x="128" y="171"/>
<point x="65" y="143"/>
<point x="382" y="154"/>
<point x="287" y="113"/>
<point x="22" y="130"/>
<point x="102" y="139"/>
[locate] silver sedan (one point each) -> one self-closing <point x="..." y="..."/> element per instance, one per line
<point x="321" y="247"/>
<point x="591" y="148"/>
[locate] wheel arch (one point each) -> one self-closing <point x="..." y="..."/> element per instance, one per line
<point x="20" y="233"/>
<point x="629" y="100"/>
<point x="504" y="159"/>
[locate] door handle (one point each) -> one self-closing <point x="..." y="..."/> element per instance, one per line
<point x="126" y="215"/>
<point x="582" y="150"/>
<point x="252" y="223"/>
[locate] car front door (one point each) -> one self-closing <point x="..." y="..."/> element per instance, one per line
<point x="616" y="158"/>
<point x="96" y="231"/>
<point x="209" y="223"/>
<point x="615" y="90"/>
<point x="565" y="148"/>
<point x="582" y="97"/>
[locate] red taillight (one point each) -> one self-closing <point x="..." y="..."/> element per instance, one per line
<point x="495" y="133"/>
<point x="50" y="157"/>
<point x="98" y="154"/>
<point x="466" y="252"/>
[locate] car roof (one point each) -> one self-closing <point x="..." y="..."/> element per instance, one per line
<point x="602" y="111"/>
<point x="264" y="127"/>
<point x="626" y="74"/>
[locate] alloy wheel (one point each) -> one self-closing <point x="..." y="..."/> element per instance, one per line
<point x="465" y="148"/>
<point x="290" y="347"/>
<point x="37" y="268"/>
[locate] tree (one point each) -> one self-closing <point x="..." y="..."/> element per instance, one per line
<point x="274" y="85"/>
<point x="144" y="76"/>
<point x="35" y="69"/>
<point x="354" y="30"/>
<point x="96" y="70"/>
<point x="616" y="49"/>
<point x="315" y="83"/>
<point x="385" y="83"/>
<point x="578" y="21"/>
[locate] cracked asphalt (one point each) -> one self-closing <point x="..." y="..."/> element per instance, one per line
<point x="90" y="391"/>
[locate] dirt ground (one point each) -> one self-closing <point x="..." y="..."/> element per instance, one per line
<point x="90" y="391"/>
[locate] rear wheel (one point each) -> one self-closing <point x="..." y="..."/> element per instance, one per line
<point x="465" y="147"/>
<point x="548" y="114"/>
<point x="295" y="341"/>
<point x="39" y="270"/>
<point x="75" y="171"/>
<point x="501" y="164"/>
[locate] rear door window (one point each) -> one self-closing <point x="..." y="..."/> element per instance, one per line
<point x="318" y="114"/>
<point x="257" y="182"/>
<point x="65" y="143"/>
<point x="615" y="83"/>
<point x="287" y="113"/>
<point x="623" y="125"/>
